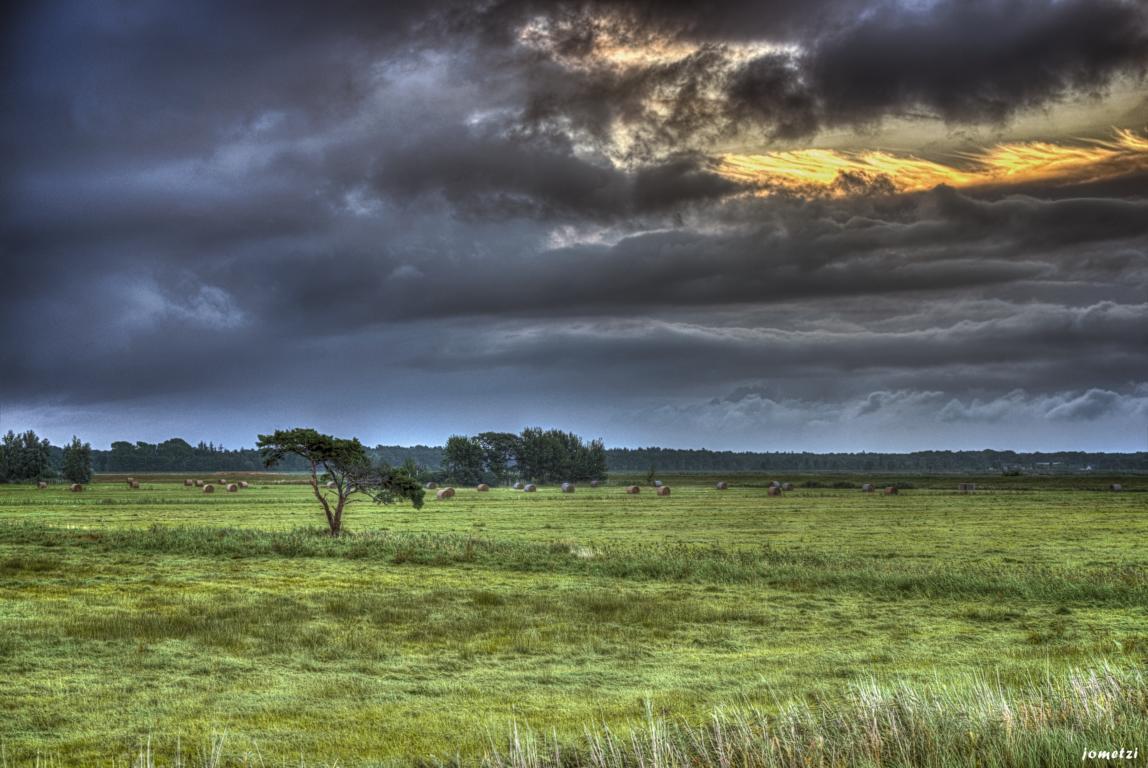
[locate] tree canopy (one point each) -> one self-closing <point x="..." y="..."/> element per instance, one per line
<point x="77" y="461"/>
<point x="544" y="456"/>
<point x="340" y="469"/>
<point x="24" y="457"/>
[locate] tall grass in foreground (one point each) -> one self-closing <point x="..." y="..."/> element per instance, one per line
<point x="1052" y="723"/>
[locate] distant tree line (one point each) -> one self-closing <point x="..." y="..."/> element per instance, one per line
<point x="177" y="455"/>
<point x="986" y="461"/>
<point x="534" y="454"/>
<point x="537" y="455"/>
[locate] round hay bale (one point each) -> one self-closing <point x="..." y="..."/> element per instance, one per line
<point x="867" y="488"/>
<point x="633" y="489"/>
<point x="722" y="485"/>
<point x="787" y="486"/>
<point x="966" y="487"/>
<point x="431" y="485"/>
<point x="198" y="483"/>
<point x="41" y="485"/>
<point x="222" y="481"/>
<point x="208" y="488"/>
<point x="663" y="490"/>
<point x="1116" y="487"/>
<point x="131" y="481"/>
<point x="243" y="484"/>
<point x="774" y="484"/>
<point x="134" y="484"/>
<point x="529" y="488"/>
<point x="773" y="490"/>
<point x="517" y="486"/>
<point x="891" y="490"/>
<point x="189" y="482"/>
<point x="483" y="487"/>
<point x="444" y="493"/>
<point x="76" y="487"/>
<point x="568" y="487"/>
<point x="330" y="483"/>
<point x="232" y="487"/>
<point x="595" y="483"/>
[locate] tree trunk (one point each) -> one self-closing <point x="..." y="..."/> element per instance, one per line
<point x="337" y="526"/>
<point x="332" y="523"/>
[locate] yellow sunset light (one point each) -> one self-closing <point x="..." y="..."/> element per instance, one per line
<point x="824" y="171"/>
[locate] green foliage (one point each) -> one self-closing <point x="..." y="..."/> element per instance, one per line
<point x="24" y="457"/>
<point x="499" y="454"/>
<point x="344" y="467"/>
<point x="463" y="459"/>
<point x="77" y="462"/>
<point x="550" y="456"/>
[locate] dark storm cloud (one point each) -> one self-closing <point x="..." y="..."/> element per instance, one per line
<point x="1110" y="337"/>
<point x="979" y="61"/>
<point x="840" y="64"/>
<point x="944" y="242"/>
<point x="539" y="177"/>
<point x="212" y="201"/>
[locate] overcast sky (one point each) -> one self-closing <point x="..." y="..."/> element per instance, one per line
<point x="794" y="225"/>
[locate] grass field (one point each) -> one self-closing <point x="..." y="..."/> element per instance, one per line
<point x="168" y="616"/>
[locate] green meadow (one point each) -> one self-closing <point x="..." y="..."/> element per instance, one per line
<point x="167" y="626"/>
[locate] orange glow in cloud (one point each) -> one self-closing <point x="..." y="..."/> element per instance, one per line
<point x="835" y="173"/>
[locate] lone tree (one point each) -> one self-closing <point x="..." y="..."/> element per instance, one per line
<point x="77" y="461"/>
<point x="343" y="465"/>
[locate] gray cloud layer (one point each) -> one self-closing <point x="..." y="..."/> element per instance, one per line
<point x="206" y="204"/>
